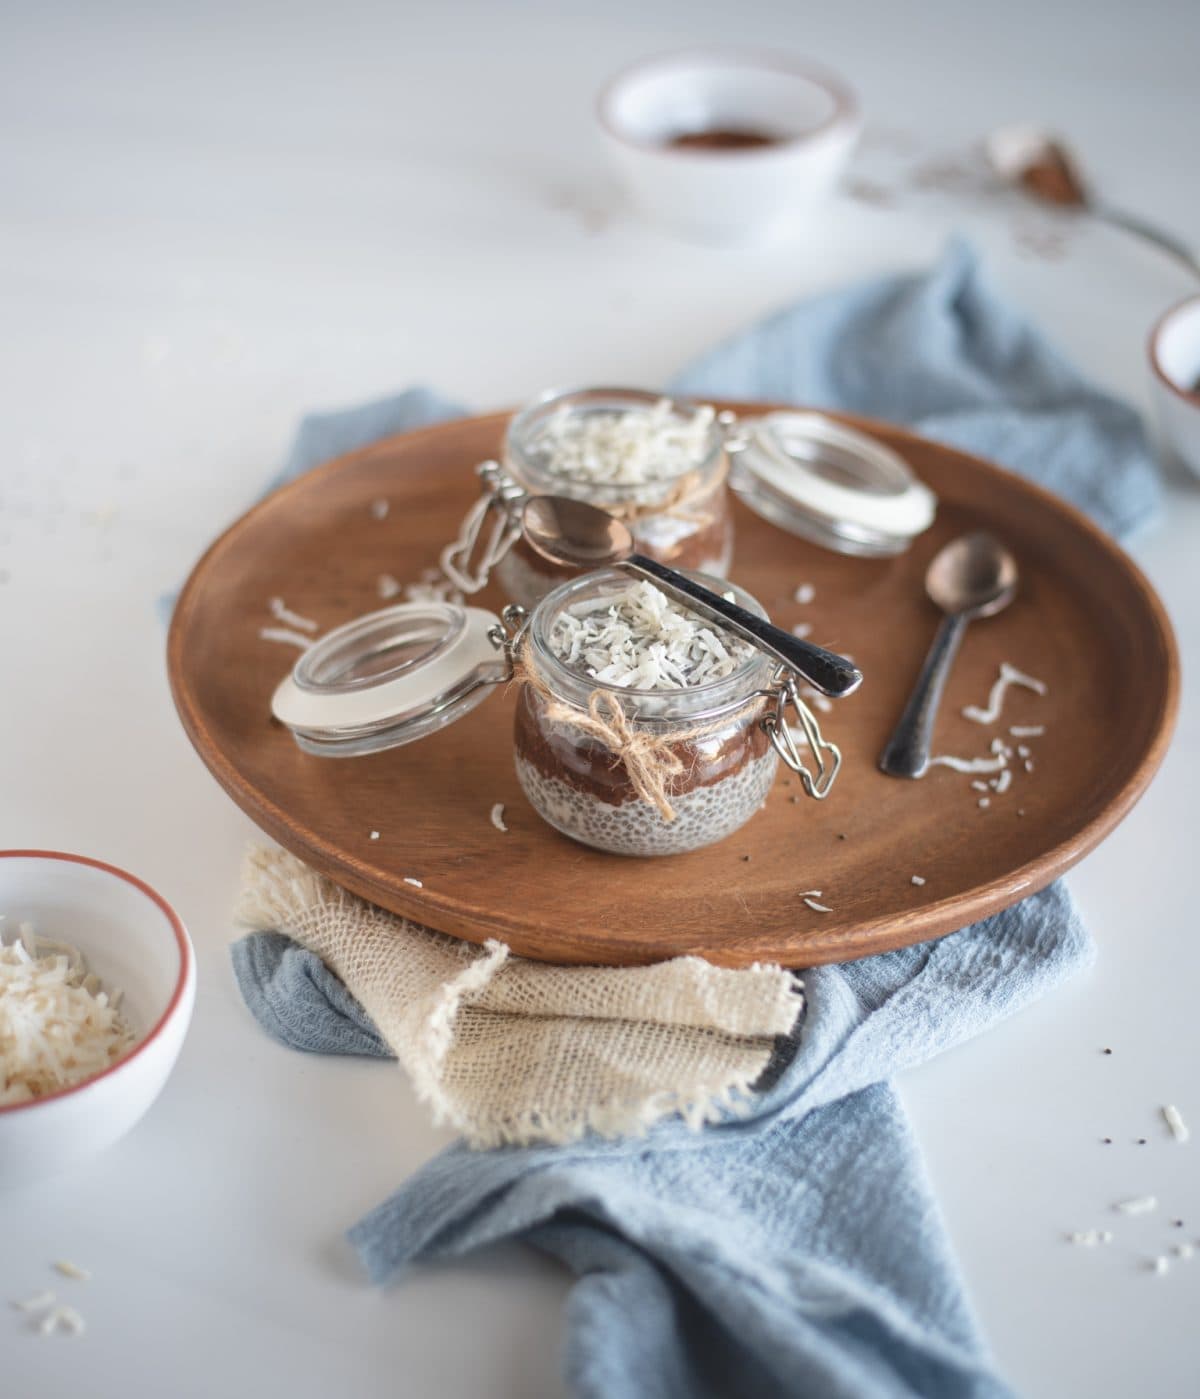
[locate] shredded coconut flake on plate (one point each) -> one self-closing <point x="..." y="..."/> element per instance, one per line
<point x="72" y="1270"/>
<point x="948" y="760"/>
<point x="805" y="593"/>
<point x="416" y="883"/>
<point x="640" y="639"/>
<point x="802" y="629"/>
<point x="58" y="1026"/>
<point x="630" y="447"/>
<point x="1140" y="1204"/>
<point x="1159" y="1265"/>
<point x="287" y="637"/>
<point x="289" y="618"/>
<point x="1009" y="675"/>
<point x="1174" y="1120"/>
<point x="917" y="879"/>
<point x="374" y="835"/>
<point x="379" y="509"/>
<point x="387" y="586"/>
<point x="433" y="586"/>
<point x="498" y="818"/>
<point x="1027" y="731"/>
<point x="816" y="907"/>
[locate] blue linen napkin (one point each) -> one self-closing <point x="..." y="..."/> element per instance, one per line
<point x="796" y="1251"/>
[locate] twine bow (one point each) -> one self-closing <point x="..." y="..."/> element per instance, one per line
<point x="649" y="759"/>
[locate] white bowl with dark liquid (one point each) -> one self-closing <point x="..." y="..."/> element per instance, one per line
<point x="727" y="146"/>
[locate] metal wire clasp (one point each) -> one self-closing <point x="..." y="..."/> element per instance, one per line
<point x="501" y="499"/>
<point x="784" y="741"/>
<point x="506" y="636"/>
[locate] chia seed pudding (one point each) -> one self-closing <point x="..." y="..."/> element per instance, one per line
<point x="677" y="679"/>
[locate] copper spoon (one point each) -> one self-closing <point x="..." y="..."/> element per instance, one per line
<point x="973" y="576"/>
<point x="573" y="534"/>
<point x="1046" y="169"/>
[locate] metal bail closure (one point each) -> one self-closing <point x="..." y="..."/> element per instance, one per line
<point x="827" y="482"/>
<point x="501" y="500"/>
<point x="392" y="676"/>
<point x="826" y="755"/>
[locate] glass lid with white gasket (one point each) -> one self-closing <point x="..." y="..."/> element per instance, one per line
<point x="391" y="677"/>
<point x="824" y="481"/>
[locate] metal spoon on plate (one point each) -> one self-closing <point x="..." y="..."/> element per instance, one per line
<point x="573" y="534"/>
<point x="973" y="576"/>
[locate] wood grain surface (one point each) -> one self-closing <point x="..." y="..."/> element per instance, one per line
<point x="1085" y="621"/>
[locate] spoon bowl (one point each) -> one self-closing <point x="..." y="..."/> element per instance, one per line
<point x="974" y="575"/>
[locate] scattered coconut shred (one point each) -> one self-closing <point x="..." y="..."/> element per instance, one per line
<point x="633" y="447"/>
<point x="640" y="639"/>
<point x="1174" y="1120"/>
<point x="498" y="818"/>
<point x="58" y="1026"/>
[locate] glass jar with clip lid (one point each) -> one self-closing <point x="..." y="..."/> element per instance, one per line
<point x="666" y="468"/>
<point x="638" y="728"/>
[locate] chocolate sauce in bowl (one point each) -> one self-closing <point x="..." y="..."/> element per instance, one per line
<point x="722" y="138"/>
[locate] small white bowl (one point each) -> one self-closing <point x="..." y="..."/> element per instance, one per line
<point x="1174" y="351"/>
<point x="134" y="941"/>
<point x="727" y="196"/>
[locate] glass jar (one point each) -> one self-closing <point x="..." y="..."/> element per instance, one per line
<point x="682" y="519"/>
<point x="712" y="734"/>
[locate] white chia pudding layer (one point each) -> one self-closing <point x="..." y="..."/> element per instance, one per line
<point x="703" y="815"/>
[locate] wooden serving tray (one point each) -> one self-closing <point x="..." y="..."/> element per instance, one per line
<point x="1086" y="622"/>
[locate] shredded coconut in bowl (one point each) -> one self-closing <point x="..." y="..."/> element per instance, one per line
<point x="58" y="1026"/>
<point x="629" y="447"/>
<point x="640" y="639"/>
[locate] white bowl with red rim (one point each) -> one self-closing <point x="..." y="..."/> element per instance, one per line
<point x="1174" y="352"/>
<point x="727" y="193"/>
<point x="133" y="941"/>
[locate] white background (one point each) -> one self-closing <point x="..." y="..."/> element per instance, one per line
<point x="216" y="217"/>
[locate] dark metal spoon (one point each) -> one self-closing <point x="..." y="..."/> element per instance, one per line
<point x="577" y="535"/>
<point x="973" y="576"/>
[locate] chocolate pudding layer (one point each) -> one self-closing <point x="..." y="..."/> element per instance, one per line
<point x="584" y="790"/>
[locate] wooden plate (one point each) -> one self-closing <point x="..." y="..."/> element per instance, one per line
<point x="1086" y="622"/>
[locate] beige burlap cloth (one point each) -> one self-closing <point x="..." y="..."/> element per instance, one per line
<point x="509" y="1050"/>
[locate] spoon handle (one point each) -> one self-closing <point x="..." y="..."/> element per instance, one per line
<point x="824" y="670"/>
<point x="907" y="751"/>
<point x="1152" y="233"/>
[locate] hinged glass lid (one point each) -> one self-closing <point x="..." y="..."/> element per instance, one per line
<point x="390" y="677"/>
<point x="827" y="482"/>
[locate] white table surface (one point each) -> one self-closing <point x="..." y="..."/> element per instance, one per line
<point x="215" y="217"/>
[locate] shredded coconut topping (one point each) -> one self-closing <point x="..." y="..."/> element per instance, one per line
<point x="640" y="639"/>
<point x="632" y="447"/>
<point x="1009" y="675"/>
<point x="1141" y="1204"/>
<point x="58" y="1026"/>
<point x="1174" y="1120"/>
<point x="498" y="818"/>
<point x="72" y="1270"/>
<point x="284" y="614"/>
<point x="286" y="636"/>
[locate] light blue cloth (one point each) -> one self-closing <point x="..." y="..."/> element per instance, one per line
<point x="797" y="1251"/>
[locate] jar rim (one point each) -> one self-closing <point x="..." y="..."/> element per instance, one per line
<point x="600" y="399"/>
<point x="693" y="702"/>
